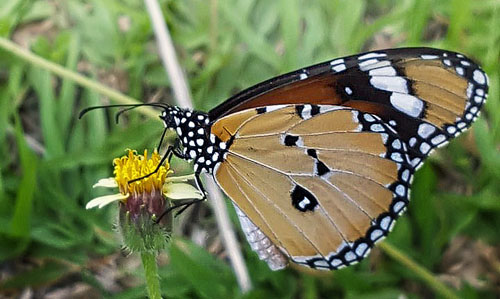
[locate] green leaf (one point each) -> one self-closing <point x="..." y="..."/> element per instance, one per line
<point x="422" y="209"/>
<point x="42" y="83"/>
<point x="20" y="225"/>
<point x="208" y="277"/>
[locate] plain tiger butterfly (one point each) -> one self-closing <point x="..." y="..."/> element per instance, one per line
<point x="319" y="162"/>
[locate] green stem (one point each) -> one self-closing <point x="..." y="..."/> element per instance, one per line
<point x="432" y="281"/>
<point x="33" y="59"/>
<point x="151" y="273"/>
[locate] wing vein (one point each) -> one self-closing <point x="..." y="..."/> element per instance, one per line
<point x="281" y="212"/>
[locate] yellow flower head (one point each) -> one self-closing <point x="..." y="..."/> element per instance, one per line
<point x="134" y="166"/>
<point x="143" y="224"/>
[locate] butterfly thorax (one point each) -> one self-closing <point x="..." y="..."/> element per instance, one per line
<point x="193" y="131"/>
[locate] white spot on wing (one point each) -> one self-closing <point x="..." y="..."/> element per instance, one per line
<point x="396" y="144"/>
<point x="377" y="128"/>
<point x="304" y="202"/>
<point x="371" y="55"/>
<point x="438" y="139"/>
<point x="321" y="263"/>
<point x="396" y="157"/>
<point x="373" y="64"/>
<point x="396" y="84"/>
<point x="274" y="107"/>
<point x="425" y="130"/>
<point x="376" y="235"/>
<point x="338" y="68"/>
<point x="364" y="64"/>
<point x="429" y="56"/>
<point x="400" y="190"/>
<point x="407" y="104"/>
<point x="368" y="117"/>
<point x="362" y="250"/>
<point x="398" y="206"/>
<point x="424" y="148"/>
<point x="405" y="175"/>
<point x="385" y="222"/>
<point x="479" y="77"/>
<point x="337" y="61"/>
<point x="470" y="87"/>
<point x="383" y="71"/>
<point x="336" y="262"/>
<point x="306" y="112"/>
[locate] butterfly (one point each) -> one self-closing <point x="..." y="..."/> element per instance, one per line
<point x="319" y="162"/>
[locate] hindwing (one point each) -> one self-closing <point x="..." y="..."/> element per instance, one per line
<point x="323" y="182"/>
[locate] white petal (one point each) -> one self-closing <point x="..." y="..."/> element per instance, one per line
<point x="182" y="178"/>
<point x="181" y="191"/>
<point x="107" y="183"/>
<point x="104" y="200"/>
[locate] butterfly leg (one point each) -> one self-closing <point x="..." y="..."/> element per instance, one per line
<point x="186" y="205"/>
<point x="161" y="139"/>
<point x="183" y="206"/>
<point x="171" y="150"/>
<point x="199" y="184"/>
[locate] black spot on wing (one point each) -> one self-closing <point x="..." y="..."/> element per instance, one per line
<point x="302" y="199"/>
<point x="312" y="152"/>
<point x="314" y="110"/>
<point x="299" y="109"/>
<point x="291" y="140"/>
<point x="321" y="168"/>
<point x="261" y="110"/>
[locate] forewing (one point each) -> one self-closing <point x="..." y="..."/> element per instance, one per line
<point x="427" y="95"/>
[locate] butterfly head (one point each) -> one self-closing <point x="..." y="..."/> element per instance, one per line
<point x="193" y="131"/>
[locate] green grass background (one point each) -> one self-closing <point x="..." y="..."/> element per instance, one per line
<point x="224" y="46"/>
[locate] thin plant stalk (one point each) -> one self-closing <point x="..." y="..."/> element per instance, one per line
<point x="151" y="274"/>
<point x="183" y="98"/>
<point x="62" y="72"/>
<point x="424" y="274"/>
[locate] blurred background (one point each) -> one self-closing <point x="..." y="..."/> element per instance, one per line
<point x="51" y="247"/>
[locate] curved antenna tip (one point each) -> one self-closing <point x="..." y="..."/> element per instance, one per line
<point x="127" y="106"/>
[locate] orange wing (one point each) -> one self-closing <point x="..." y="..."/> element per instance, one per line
<point x="322" y="184"/>
<point x="427" y="95"/>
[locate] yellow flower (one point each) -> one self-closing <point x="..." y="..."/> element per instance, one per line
<point x="134" y="166"/>
<point x="142" y="202"/>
